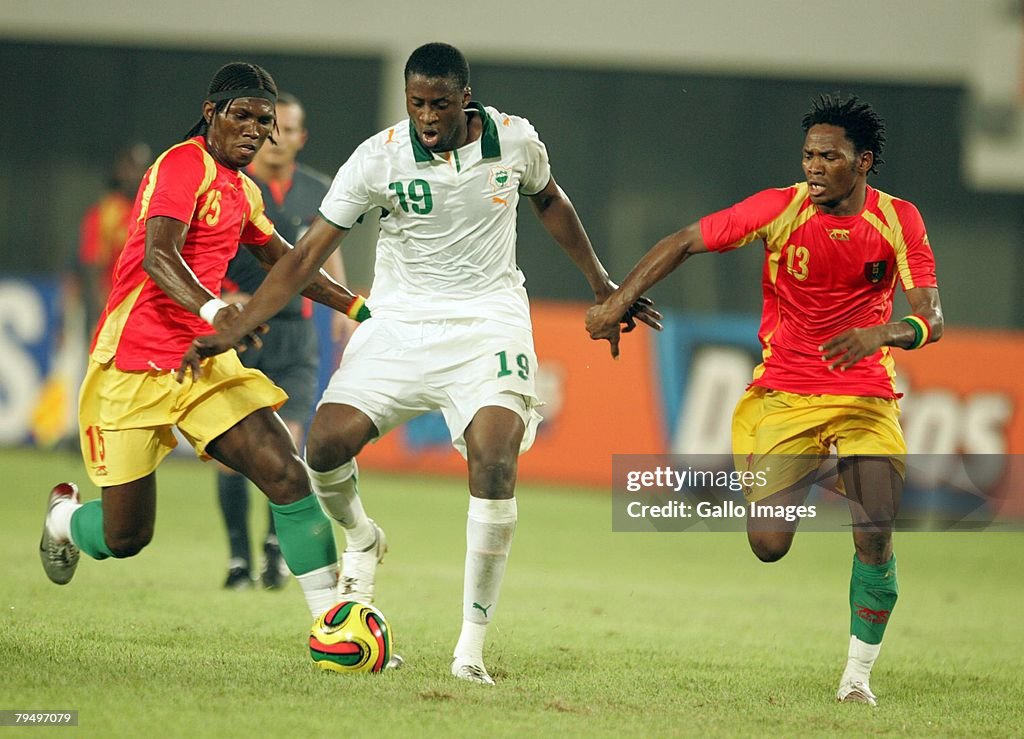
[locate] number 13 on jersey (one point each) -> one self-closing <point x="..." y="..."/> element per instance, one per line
<point x="797" y="258"/>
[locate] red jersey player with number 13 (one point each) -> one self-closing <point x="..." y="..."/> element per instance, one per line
<point x="834" y="250"/>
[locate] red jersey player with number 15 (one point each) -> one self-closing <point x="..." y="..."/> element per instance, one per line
<point x="193" y="209"/>
<point x="834" y="250"/>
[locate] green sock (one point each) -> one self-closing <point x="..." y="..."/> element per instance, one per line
<point x="873" y="594"/>
<point x="305" y="535"/>
<point x="87" y="530"/>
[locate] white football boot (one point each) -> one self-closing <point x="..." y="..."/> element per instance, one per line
<point x="359" y="570"/>
<point x="59" y="556"/>
<point x="855" y="691"/>
<point x="471" y="671"/>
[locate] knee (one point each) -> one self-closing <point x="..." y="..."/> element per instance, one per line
<point x="494" y="475"/>
<point x="769" y="549"/>
<point x="874" y="548"/>
<point x="128" y="544"/>
<point x="285" y="481"/>
<point x="338" y="433"/>
<point x="324" y="456"/>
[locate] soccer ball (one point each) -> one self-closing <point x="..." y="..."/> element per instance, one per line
<point x="350" y="637"/>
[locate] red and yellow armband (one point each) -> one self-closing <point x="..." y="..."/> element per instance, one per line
<point x="358" y="311"/>
<point x="922" y="330"/>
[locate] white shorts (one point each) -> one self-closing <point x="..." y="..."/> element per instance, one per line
<point x="394" y="371"/>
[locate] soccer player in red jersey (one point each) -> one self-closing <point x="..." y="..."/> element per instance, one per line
<point x="834" y="250"/>
<point x="193" y="209"/>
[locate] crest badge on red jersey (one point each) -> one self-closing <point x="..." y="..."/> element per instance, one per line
<point x="874" y="272"/>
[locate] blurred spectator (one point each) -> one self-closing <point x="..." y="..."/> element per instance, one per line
<point x="102" y="233"/>
<point x="104" y="228"/>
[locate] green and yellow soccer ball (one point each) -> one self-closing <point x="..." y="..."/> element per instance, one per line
<point x="350" y="637"/>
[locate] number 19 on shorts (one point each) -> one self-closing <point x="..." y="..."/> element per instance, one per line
<point x="522" y="362"/>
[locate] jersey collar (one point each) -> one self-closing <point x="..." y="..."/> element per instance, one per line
<point x="490" y="146"/>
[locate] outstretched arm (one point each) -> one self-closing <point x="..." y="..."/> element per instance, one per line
<point x="558" y="216"/>
<point x="341" y="325"/>
<point x="294" y="270"/>
<point x="924" y="326"/>
<point x="324" y="288"/>
<point x="655" y="265"/>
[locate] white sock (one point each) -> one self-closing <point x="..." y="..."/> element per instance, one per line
<point x="490" y="525"/>
<point x="860" y="659"/>
<point x="470" y="647"/>
<point x="338" y="493"/>
<point x="320" y="588"/>
<point x="59" y="521"/>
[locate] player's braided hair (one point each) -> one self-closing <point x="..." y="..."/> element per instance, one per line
<point x="250" y="80"/>
<point x="439" y="60"/>
<point x="864" y="127"/>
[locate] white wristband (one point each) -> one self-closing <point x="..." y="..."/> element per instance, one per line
<point x="210" y="308"/>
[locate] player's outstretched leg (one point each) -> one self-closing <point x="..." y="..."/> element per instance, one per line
<point x="307" y="545"/>
<point x="338" y="492"/>
<point x="359" y="567"/>
<point x="260" y="447"/>
<point x="337" y="434"/>
<point x="56" y="550"/>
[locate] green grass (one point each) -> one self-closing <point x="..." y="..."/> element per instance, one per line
<point x="597" y="634"/>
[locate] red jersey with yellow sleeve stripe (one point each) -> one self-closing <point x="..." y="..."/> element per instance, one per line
<point x="823" y="275"/>
<point x="141" y="327"/>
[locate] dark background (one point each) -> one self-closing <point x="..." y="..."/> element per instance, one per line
<point x="640" y="153"/>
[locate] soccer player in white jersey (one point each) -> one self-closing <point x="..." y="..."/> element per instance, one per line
<point x="451" y="324"/>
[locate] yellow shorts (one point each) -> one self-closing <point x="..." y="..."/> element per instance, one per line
<point x="125" y="417"/>
<point x="785" y="436"/>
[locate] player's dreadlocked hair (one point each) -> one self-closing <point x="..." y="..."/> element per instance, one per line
<point x="439" y="60"/>
<point x="236" y="80"/>
<point x="863" y="126"/>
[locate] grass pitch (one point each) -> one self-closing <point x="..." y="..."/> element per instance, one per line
<point x="597" y="633"/>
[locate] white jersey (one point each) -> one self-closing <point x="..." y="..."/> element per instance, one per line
<point x="447" y="243"/>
